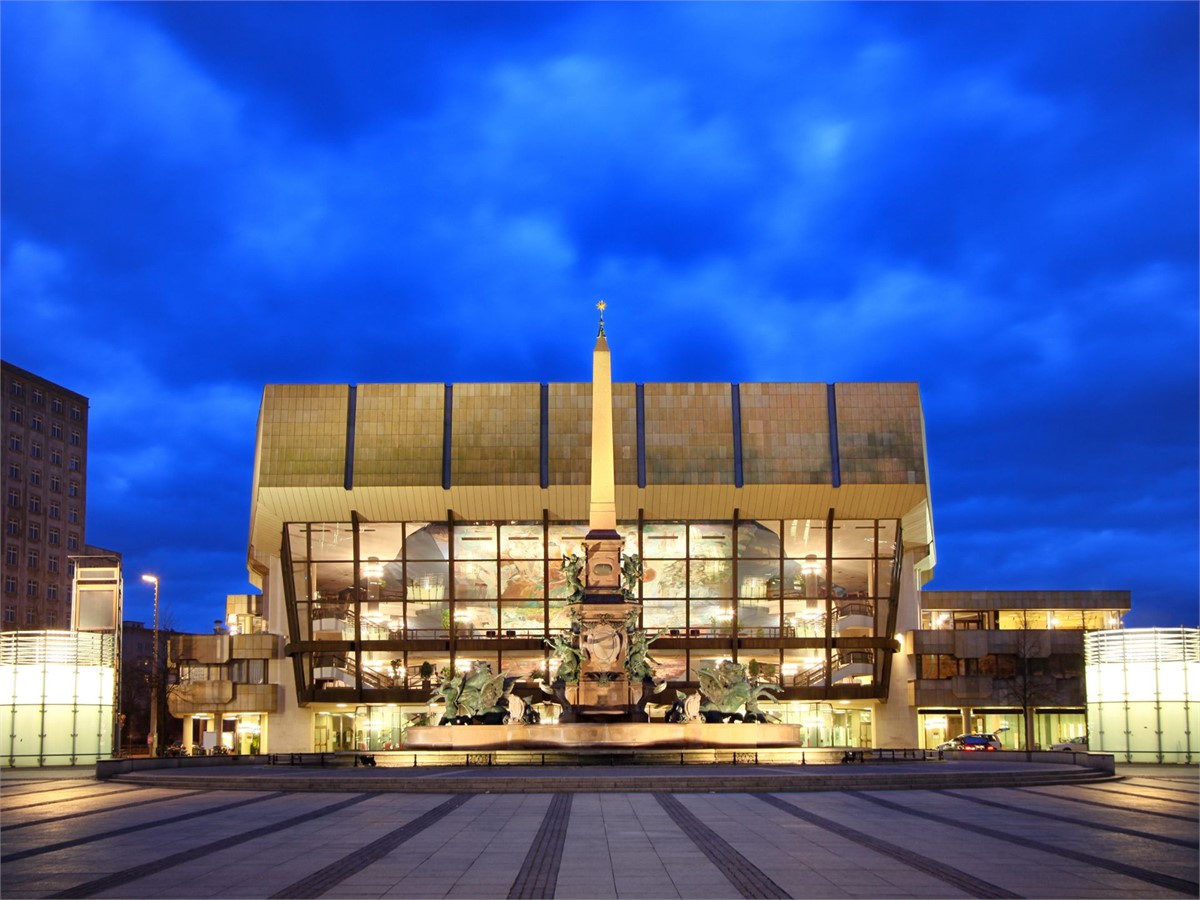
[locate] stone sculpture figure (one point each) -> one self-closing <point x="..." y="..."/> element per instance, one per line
<point x="603" y="645"/>
<point x="631" y="575"/>
<point x="473" y="694"/>
<point x="516" y="710"/>
<point x="728" y="691"/>
<point x="568" y="658"/>
<point x="685" y="709"/>
<point x="572" y="567"/>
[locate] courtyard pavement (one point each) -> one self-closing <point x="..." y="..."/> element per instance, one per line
<point x="64" y="834"/>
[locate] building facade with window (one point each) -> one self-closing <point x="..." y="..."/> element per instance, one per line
<point x="227" y="684"/>
<point x="400" y="531"/>
<point x="1006" y="661"/>
<point x="403" y="531"/>
<point x="45" y="504"/>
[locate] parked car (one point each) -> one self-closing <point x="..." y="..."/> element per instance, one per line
<point x="1075" y="743"/>
<point x="973" y="742"/>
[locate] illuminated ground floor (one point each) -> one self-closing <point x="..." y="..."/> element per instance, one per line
<point x="371" y="727"/>
<point x="341" y="727"/>
<point x="1050" y="726"/>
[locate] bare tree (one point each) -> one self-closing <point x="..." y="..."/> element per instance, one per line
<point x="1028" y="682"/>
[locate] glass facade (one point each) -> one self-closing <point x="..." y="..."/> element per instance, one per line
<point x="58" y="692"/>
<point x="1142" y="687"/>
<point x="1021" y="619"/>
<point x="378" y="610"/>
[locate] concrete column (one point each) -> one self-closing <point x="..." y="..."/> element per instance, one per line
<point x="187" y="734"/>
<point x="895" y="722"/>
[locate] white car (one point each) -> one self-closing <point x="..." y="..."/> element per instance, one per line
<point x="1075" y="743"/>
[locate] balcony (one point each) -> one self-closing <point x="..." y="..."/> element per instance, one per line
<point x="223" y="696"/>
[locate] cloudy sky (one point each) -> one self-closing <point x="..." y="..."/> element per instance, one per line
<point x="997" y="201"/>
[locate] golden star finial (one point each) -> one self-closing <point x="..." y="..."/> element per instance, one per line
<point x="602" y="306"/>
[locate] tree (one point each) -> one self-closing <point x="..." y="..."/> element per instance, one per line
<point x="1028" y="683"/>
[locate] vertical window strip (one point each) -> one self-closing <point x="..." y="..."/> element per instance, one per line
<point x="351" y="413"/>
<point x="447" y="433"/>
<point x="640" y="393"/>
<point x="834" y="460"/>
<point x="544" y="436"/>
<point x="735" y="392"/>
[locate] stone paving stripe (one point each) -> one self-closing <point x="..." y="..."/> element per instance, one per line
<point x="968" y="883"/>
<point x="1153" y="783"/>
<point x="749" y="879"/>
<point x="174" y="795"/>
<point x="141" y="826"/>
<point x="116" y="879"/>
<point x="62" y="786"/>
<point x="1109" y="790"/>
<point x="1191" y="888"/>
<point x="338" y="871"/>
<point x="1071" y="820"/>
<point x="7" y="780"/>
<point x="539" y="872"/>
<point x="8" y="809"/>
<point x="1123" y="808"/>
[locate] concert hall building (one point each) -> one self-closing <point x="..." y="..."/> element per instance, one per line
<point x="399" y="530"/>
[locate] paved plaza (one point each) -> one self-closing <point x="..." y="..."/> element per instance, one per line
<point x="65" y="834"/>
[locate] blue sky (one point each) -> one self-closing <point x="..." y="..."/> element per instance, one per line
<point x="998" y="201"/>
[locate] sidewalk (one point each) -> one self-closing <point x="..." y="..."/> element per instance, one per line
<point x="70" y="836"/>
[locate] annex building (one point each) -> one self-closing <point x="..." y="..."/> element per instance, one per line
<point x="398" y="531"/>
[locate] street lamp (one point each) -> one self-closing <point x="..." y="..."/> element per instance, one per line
<point x="153" y="579"/>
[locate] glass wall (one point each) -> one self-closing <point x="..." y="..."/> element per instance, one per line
<point x="1142" y="686"/>
<point x="1021" y="619"/>
<point x="401" y="585"/>
<point x="828" y="724"/>
<point x="57" y="689"/>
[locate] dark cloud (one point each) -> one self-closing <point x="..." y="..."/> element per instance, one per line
<point x="995" y="200"/>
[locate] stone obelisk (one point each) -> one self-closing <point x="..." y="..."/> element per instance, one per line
<point x="604" y="690"/>
<point x="602" y="543"/>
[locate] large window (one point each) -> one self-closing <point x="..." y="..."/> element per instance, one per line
<point x="391" y="584"/>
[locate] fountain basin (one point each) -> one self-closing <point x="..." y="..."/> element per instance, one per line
<point x="601" y="736"/>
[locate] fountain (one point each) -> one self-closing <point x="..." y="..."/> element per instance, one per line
<point x="604" y="678"/>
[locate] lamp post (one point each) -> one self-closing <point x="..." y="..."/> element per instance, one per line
<point x="153" y="579"/>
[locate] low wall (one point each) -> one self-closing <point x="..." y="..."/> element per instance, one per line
<point x="107" y="768"/>
<point x="583" y="736"/>
<point x="1101" y="762"/>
